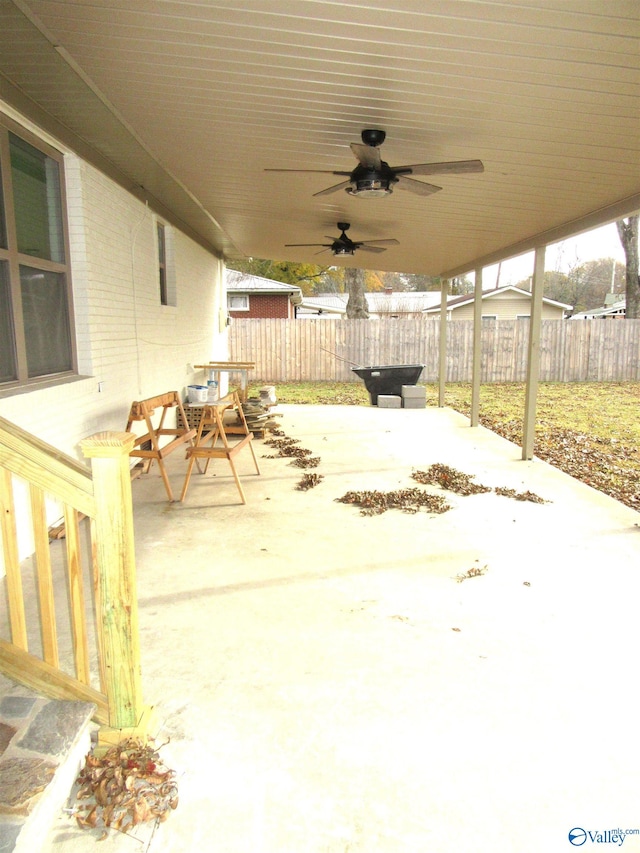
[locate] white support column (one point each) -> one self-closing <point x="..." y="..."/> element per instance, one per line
<point x="442" y="357"/>
<point x="477" y="349"/>
<point x="533" y="357"/>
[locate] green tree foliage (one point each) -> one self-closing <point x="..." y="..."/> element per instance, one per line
<point x="584" y="285"/>
<point x="461" y="286"/>
<point x="305" y="276"/>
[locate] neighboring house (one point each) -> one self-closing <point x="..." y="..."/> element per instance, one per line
<point x="103" y="300"/>
<point x="385" y="303"/>
<point x="614" y="308"/>
<point x="252" y="296"/>
<point x="501" y="303"/>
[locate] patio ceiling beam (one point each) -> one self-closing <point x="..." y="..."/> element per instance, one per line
<point x="621" y="209"/>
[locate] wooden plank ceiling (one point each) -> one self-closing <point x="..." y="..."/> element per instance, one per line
<point x="190" y="102"/>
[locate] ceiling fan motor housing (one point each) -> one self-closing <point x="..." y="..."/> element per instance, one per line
<point x="373" y="137"/>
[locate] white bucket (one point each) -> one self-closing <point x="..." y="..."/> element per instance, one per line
<point x="197" y="393"/>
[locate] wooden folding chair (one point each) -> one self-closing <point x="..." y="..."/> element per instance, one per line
<point x="212" y="430"/>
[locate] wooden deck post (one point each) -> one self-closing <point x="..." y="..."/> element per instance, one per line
<point x="115" y="581"/>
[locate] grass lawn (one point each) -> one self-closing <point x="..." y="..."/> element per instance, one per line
<point x="590" y="430"/>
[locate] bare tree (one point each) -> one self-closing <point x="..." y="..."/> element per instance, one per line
<point x="357" y="308"/>
<point x="628" y="232"/>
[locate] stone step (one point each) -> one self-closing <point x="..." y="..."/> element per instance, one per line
<point x="43" y="744"/>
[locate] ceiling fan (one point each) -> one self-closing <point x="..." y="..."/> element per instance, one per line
<point x="343" y="245"/>
<point x="372" y="177"/>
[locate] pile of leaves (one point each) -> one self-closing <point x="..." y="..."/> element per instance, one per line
<point x="450" y="479"/>
<point x="309" y="481"/>
<point x="127" y="786"/>
<point x="408" y="500"/>
<point x="519" y="496"/>
<point x="473" y="572"/>
<point x="306" y="462"/>
<point x="287" y="448"/>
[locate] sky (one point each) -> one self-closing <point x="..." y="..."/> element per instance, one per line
<point x="602" y="242"/>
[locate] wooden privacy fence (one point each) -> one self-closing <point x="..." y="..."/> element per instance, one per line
<point x="32" y="472"/>
<point x="319" y="350"/>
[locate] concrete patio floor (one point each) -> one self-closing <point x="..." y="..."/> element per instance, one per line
<point x="328" y="686"/>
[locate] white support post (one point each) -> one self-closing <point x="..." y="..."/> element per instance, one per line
<point x="533" y="357"/>
<point x="442" y="357"/>
<point x="477" y="349"/>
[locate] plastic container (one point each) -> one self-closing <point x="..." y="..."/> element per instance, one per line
<point x="388" y="379"/>
<point x="212" y="391"/>
<point x="197" y="393"/>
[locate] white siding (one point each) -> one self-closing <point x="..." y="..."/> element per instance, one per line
<point x="127" y="341"/>
<point x="506" y="307"/>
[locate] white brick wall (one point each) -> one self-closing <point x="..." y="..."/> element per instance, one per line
<point x="127" y="341"/>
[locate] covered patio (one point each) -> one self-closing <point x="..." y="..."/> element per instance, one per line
<point x="331" y="682"/>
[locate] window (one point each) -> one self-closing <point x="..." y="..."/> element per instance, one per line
<point x="489" y="316"/>
<point x="36" y="318"/>
<point x="162" y="264"/>
<point x="238" y="303"/>
<point x="166" y="264"/>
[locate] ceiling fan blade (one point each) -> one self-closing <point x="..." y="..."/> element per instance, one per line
<point x="311" y="171"/>
<point x="417" y="187"/>
<point x="367" y="155"/>
<point x="334" y="189"/>
<point x="293" y="245"/>
<point x="366" y="248"/>
<point x="390" y="242"/>
<point x="455" y="167"/>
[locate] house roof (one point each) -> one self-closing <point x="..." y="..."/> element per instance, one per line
<point x="187" y="103"/>
<point x="379" y="302"/>
<point x="468" y="298"/>
<point x="238" y="282"/>
<point x="611" y="310"/>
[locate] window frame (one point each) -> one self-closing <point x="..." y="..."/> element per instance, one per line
<point x="16" y="260"/>
<point x="244" y="296"/>
<point x="161" y="241"/>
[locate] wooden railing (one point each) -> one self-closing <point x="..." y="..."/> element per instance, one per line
<point x="100" y="624"/>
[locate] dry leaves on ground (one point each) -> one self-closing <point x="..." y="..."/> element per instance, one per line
<point x="606" y="464"/>
<point x="309" y="481"/>
<point x="408" y="500"/>
<point x="127" y="786"/>
<point x="450" y="479"/>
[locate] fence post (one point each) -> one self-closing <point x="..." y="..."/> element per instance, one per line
<point x="115" y="581"/>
